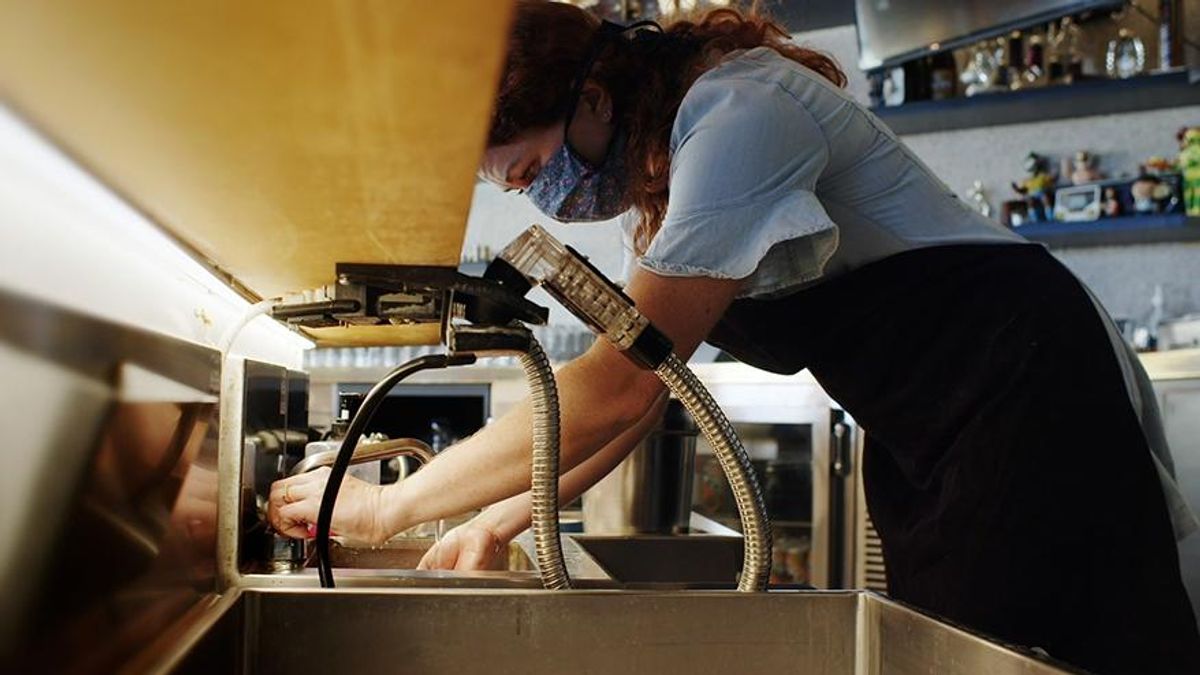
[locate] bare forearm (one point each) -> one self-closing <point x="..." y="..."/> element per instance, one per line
<point x="600" y="396"/>
<point x="510" y="517"/>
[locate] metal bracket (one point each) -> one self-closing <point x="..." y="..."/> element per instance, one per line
<point x="373" y="294"/>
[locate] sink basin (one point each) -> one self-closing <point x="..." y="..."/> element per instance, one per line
<point x="300" y="632"/>
<point x="697" y="561"/>
<point x="405" y="553"/>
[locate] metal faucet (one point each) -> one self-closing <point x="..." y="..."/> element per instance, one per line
<point x="369" y="452"/>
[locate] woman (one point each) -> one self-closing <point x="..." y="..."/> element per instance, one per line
<point x="1007" y="469"/>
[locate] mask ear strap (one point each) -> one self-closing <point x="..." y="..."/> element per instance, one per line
<point x="607" y="30"/>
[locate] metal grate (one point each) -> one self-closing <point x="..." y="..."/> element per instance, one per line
<point x="869" y="569"/>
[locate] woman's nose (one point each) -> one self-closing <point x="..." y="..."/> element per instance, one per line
<point x="518" y="182"/>
<point x="521" y="177"/>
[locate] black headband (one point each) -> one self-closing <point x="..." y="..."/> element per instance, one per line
<point x="608" y="31"/>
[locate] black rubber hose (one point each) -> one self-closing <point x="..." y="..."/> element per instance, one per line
<point x="358" y="426"/>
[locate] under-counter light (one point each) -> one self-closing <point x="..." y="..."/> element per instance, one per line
<point x="70" y="240"/>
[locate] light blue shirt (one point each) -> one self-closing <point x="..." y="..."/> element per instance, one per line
<point x="779" y="177"/>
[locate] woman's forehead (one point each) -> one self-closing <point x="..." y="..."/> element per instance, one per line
<point x="499" y="159"/>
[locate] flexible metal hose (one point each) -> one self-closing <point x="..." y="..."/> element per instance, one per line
<point x="756" y="528"/>
<point x="543" y="487"/>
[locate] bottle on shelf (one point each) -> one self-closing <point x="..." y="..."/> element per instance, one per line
<point x="1034" y="72"/>
<point x="1126" y="55"/>
<point x="1065" y="65"/>
<point x="1170" y="35"/>
<point x="1014" y="58"/>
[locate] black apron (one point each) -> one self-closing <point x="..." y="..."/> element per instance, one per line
<point x="1005" y="468"/>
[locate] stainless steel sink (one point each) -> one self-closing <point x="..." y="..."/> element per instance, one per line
<point x="404" y="554"/>
<point x="359" y="631"/>
<point x="695" y="561"/>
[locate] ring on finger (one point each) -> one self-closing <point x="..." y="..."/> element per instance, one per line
<point x="287" y="494"/>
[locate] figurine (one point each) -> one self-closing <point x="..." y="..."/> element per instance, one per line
<point x="1189" y="166"/>
<point x="1149" y="194"/>
<point x="1081" y="168"/>
<point x="1037" y="188"/>
<point x="1112" y="205"/>
<point x="1157" y="166"/>
<point x="978" y="196"/>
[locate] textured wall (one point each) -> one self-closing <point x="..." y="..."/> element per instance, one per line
<point x="1124" y="277"/>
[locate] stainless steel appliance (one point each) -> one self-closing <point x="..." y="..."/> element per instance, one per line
<point x="801" y="444"/>
<point x="650" y="492"/>
<point x="1176" y="379"/>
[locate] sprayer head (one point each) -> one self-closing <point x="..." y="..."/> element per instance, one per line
<point x="585" y="292"/>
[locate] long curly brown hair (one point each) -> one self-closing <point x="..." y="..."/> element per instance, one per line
<point x="647" y="79"/>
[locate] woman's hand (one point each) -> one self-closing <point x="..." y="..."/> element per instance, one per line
<point x="470" y="546"/>
<point x="359" y="513"/>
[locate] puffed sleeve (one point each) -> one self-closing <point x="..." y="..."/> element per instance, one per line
<point x="744" y="168"/>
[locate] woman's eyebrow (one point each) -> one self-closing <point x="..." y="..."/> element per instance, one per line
<point x="512" y="168"/>
<point x="487" y="173"/>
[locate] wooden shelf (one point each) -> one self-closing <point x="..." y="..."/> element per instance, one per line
<point x="1151" y="229"/>
<point x="1098" y="96"/>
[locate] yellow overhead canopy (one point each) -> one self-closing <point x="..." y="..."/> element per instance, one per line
<point x="273" y="138"/>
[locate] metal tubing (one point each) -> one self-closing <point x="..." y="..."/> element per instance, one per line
<point x="756" y="527"/>
<point x="543" y="487"/>
<point x="370" y="452"/>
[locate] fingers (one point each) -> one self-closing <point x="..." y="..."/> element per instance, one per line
<point x="429" y="559"/>
<point x="299" y="487"/>
<point x="442" y="555"/>
<point x="293" y="519"/>
<point x="292" y="506"/>
<point x="477" y="550"/>
<point x="473" y="556"/>
<point x="305" y="489"/>
<point x="447" y="554"/>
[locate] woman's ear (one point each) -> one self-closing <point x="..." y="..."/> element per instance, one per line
<point x="597" y="100"/>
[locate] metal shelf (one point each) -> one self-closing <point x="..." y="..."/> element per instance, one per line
<point x="1099" y="96"/>
<point x="1151" y="229"/>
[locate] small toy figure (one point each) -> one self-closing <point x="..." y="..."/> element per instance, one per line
<point x="1112" y="205"/>
<point x="1081" y="168"/>
<point x="1037" y="188"/>
<point x="1156" y="166"/>
<point x="1149" y="194"/>
<point x="1189" y="166"/>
